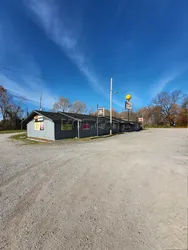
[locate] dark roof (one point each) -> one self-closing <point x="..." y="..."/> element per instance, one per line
<point x="57" y="116"/>
<point x="51" y="115"/>
<point x="80" y="116"/>
<point x="91" y="117"/>
<point x="117" y="119"/>
<point x="83" y="117"/>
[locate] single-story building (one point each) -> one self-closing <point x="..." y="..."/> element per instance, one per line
<point x="61" y="125"/>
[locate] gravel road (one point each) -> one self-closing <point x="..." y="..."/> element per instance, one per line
<point x="124" y="192"/>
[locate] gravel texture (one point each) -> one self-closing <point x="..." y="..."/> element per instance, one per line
<point x="124" y="192"/>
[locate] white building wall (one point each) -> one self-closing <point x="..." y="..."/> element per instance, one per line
<point x="47" y="133"/>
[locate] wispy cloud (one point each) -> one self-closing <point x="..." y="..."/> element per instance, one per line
<point x="12" y="54"/>
<point x="21" y="85"/>
<point x="56" y="27"/>
<point x="28" y="91"/>
<point x="48" y="17"/>
<point x="165" y="81"/>
<point x="137" y="101"/>
<point x="160" y="85"/>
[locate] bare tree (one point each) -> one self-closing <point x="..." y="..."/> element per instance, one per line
<point x="91" y="111"/>
<point x="151" y="115"/>
<point x="63" y="105"/>
<point x="133" y="116"/>
<point x="167" y="102"/>
<point x="157" y="118"/>
<point x="11" y="111"/>
<point x="115" y="113"/>
<point x="15" y="114"/>
<point x="4" y="102"/>
<point x="185" y="101"/>
<point x="106" y="112"/>
<point x="182" y="117"/>
<point x="79" y="107"/>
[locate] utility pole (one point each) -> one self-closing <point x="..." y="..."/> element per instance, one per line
<point x="111" y="106"/>
<point x="78" y="125"/>
<point x="27" y="112"/>
<point x="41" y="102"/>
<point x="97" y="120"/>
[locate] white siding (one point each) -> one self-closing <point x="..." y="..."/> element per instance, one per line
<point x="47" y="133"/>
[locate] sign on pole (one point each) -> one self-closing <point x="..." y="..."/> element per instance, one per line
<point x="140" y="119"/>
<point x="128" y="105"/>
<point x="101" y="112"/>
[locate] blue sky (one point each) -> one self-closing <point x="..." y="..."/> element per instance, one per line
<point x="72" y="48"/>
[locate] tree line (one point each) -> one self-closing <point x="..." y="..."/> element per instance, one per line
<point x="167" y="108"/>
<point x="64" y="105"/>
<point x="10" y="111"/>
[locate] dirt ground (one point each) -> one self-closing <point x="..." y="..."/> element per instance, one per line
<point x="125" y="192"/>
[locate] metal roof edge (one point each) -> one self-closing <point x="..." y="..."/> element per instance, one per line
<point x="32" y="113"/>
<point x="27" y="117"/>
<point x="113" y="119"/>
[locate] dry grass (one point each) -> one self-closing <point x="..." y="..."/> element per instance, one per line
<point x="23" y="138"/>
<point x="11" y="131"/>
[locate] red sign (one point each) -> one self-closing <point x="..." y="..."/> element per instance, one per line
<point x="140" y="119"/>
<point x="42" y="126"/>
<point x="85" y="126"/>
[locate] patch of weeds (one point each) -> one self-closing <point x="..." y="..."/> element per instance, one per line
<point x="11" y="131"/>
<point x="23" y="138"/>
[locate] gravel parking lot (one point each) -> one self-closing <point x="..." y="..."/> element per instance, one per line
<point x="124" y="192"/>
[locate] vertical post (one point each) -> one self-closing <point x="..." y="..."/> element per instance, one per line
<point x="143" y="121"/>
<point x="97" y="120"/>
<point x="78" y="125"/>
<point x="128" y="115"/>
<point x="111" y="106"/>
<point x="41" y="102"/>
<point x="27" y="113"/>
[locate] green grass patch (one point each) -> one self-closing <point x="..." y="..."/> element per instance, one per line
<point x="11" y="131"/>
<point x="23" y="138"/>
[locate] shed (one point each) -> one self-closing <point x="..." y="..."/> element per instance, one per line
<point x="61" y="125"/>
